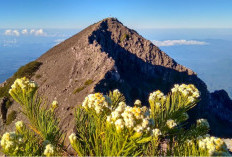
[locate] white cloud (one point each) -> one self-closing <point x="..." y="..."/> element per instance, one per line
<point x="57" y="41"/>
<point x="16" y="32"/>
<point x="8" y="32"/>
<point x="12" y="32"/>
<point x="32" y="31"/>
<point x="35" y="32"/>
<point x="24" y="31"/>
<point x="178" y="42"/>
<point x="40" y="32"/>
<point x="9" y="43"/>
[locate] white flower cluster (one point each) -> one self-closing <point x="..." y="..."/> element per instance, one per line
<point x="133" y="118"/>
<point x="214" y="145"/>
<point x="49" y="150"/>
<point x="203" y="123"/>
<point x="138" y="103"/>
<point x="9" y="141"/>
<point x="187" y="90"/>
<point x="171" y="123"/>
<point x="19" y="125"/>
<point x="116" y="93"/>
<point x="156" y="132"/>
<point x="157" y="95"/>
<point x="54" y="105"/>
<point x="97" y="102"/>
<point x="24" y="84"/>
<point x="12" y="141"/>
<point x="189" y="142"/>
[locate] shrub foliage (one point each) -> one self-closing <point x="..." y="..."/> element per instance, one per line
<point x="107" y="126"/>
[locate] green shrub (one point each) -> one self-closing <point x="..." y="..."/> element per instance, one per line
<point x="25" y="71"/>
<point x="38" y="76"/>
<point x="9" y="102"/>
<point x="107" y="126"/>
<point x="88" y="82"/>
<point x="43" y="129"/>
<point x="11" y="117"/>
<point x="78" y="89"/>
<point x="124" y="37"/>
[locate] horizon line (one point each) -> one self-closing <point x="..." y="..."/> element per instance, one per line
<point x="127" y="26"/>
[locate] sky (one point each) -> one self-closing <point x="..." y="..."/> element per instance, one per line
<point x="133" y="13"/>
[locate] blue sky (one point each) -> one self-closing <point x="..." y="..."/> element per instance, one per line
<point x="133" y="13"/>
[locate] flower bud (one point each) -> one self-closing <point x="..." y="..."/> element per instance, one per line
<point x="72" y="138"/>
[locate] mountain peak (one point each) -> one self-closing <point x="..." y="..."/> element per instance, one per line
<point x="110" y="20"/>
<point x="110" y="29"/>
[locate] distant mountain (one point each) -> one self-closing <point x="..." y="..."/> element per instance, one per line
<point x="105" y="56"/>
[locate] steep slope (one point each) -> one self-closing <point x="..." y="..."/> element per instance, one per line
<point x="105" y="56"/>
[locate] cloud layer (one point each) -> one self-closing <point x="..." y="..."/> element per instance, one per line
<point x="57" y="41"/>
<point x="178" y="42"/>
<point x="35" y="32"/>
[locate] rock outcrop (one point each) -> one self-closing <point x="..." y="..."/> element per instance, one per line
<point x="3" y="104"/>
<point x="220" y="114"/>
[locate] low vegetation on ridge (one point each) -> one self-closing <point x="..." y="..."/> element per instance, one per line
<point x="27" y="70"/>
<point x="87" y="82"/>
<point x="107" y="126"/>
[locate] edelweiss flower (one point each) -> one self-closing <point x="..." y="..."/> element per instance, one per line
<point x="213" y="145"/>
<point x="133" y="118"/>
<point x="138" y="103"/>
<point x="156" y="132"/>
<point x="119" y="124"/>
<point x="54" y="104"/>
<point x="23" y="86"/>
<point x="97" y="102"/>
<point x="49" y="150"/>
<point x="8" y="141"/>
<point x="19" y="125"/>
<point x="72" y="138"/>
<point x="157" y="95"/>
<point x="189" y="91"/>
<point x="171" y="123"/>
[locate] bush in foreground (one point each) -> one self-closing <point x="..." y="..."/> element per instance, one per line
<point x="107" y="126"/>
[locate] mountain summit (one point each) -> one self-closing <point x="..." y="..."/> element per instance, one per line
<point x="105" y="56"/>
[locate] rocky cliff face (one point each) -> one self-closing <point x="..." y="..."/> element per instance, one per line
<point x="105" y="56"/>
<point x="221" y="113"/>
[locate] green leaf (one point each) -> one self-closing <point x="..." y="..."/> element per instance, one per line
<point x="145" y="140"/>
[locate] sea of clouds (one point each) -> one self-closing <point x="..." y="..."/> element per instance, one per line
<point x="178" y="42"/>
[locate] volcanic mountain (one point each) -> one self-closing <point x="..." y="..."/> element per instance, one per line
<point x="105" y="56"/>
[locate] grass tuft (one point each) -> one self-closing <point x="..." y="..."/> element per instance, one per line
<point x="88" y="82"/>
<point x="38" y="76"/>
<point x="11" y="117"/>
<point x="78" y="89"/>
